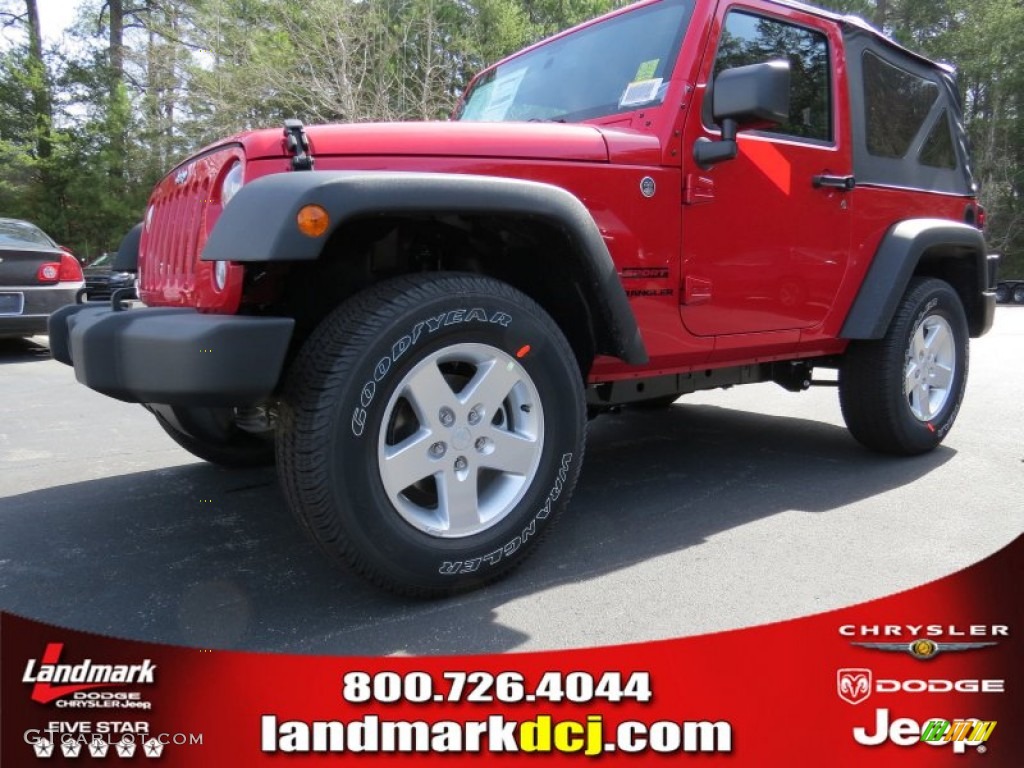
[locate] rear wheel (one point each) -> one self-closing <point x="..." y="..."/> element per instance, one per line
<point x="1018" y="294"/>
<point x="431" y="430"/>
<point x="216" y="435"/>
<point x="901" y="394"/>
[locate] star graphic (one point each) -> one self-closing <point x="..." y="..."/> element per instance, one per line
<point x="125" y="748"/>
<point x="71" y="748"/>
<point x="43" y="748"/>
<point x="99" y="747"/>
<point x="154" y="748"/>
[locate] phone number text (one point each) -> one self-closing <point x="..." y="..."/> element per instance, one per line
<point x="486" y="687"/>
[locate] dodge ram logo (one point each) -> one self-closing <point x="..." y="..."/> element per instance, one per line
<point x="182" y="176"/>
<point x="853" y="685"/>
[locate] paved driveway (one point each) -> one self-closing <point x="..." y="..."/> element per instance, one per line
<point x="727" y="510"/>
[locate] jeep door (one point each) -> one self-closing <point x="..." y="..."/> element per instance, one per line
<point x="765" y="244"/>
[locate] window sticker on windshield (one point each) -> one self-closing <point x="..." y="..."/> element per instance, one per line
<point x="646" y="70"/>
<point x="640" y="92"/>
<point x="502" y="94"/>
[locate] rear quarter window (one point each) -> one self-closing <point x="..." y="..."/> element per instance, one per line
<point x="897" y="104"/>
<point x="906" y="118"/>
<point x="938" y="150"/>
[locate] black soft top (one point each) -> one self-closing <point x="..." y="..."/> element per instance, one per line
<point x="856" y="23"/>
<point x="902" y="172"/>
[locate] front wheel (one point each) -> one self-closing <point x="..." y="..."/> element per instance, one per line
<point x="902" y="393"/>
<point x="431" y="430"/>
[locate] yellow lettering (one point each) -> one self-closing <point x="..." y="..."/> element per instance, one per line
<point x="595" y="736"/>
<point x="568" y="736"/>
<point x="535" y="735"/>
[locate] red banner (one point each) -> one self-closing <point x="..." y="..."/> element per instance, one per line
<point x="930" y="677"/>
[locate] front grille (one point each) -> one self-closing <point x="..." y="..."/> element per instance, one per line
<point x="171" y="242"/>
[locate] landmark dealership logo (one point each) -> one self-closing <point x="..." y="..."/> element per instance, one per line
<point x="51" y="680"/>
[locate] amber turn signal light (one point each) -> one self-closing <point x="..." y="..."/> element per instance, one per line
<point x="313" y="220"/>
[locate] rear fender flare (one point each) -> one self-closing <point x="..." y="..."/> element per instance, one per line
<point x="905" y="251"/>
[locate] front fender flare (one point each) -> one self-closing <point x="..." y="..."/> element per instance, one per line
<point x="259" y="226"/>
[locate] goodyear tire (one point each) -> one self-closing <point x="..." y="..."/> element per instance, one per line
<point x="902" y="393"/>
<point x="233" y="448"/>
<point x="431" y="431"/>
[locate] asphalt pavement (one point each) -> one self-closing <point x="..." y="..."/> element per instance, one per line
<point x="729" y="509"/>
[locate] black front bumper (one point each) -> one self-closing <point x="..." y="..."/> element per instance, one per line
<point x="172" y="356"/>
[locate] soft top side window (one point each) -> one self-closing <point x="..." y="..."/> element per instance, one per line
<point x="906" y="119"/>
<point x="938" y="150"/>
<point x="897" y="103"/>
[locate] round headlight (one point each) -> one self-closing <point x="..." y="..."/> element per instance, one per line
<point x="231" y="184"/>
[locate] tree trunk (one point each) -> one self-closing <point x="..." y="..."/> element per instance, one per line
<point x="116" y="42"/>
<point x="42" y="103"/>
<point x="881" y="15"/>
<point x="118" y="141"/>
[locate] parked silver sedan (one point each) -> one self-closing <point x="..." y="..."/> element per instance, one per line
<point x="37" y="276"/>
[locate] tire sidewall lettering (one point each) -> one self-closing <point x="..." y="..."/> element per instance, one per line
<point x="449" y="568"/>
<point x="337" y="416"/>
<point x="374" y="523"/>
<point x="359" y="422"/>
<point x="919" y="321"/>
<point x="424" y="328"/>
<point x="367" y="394"/>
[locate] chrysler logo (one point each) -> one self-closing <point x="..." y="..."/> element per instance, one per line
<point x="181" y="176"/>
<point x="923" y="649"/>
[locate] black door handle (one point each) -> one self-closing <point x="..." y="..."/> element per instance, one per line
<point x="845" y="183"/>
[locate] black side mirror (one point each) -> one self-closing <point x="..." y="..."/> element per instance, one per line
<point x="757" y="94"/>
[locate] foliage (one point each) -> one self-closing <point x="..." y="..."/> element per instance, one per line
<point x="87" y="127"/>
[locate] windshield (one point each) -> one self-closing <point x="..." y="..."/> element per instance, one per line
<point x="614" y="66"/>
<point x="13" y="232"/>
<point x="103" y="261"/>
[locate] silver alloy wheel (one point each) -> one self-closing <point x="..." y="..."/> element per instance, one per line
<point x="461" y="440"/>
<point x="931" y="368"/>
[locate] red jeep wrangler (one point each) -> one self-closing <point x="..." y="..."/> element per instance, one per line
<point x="681" y="195"/>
